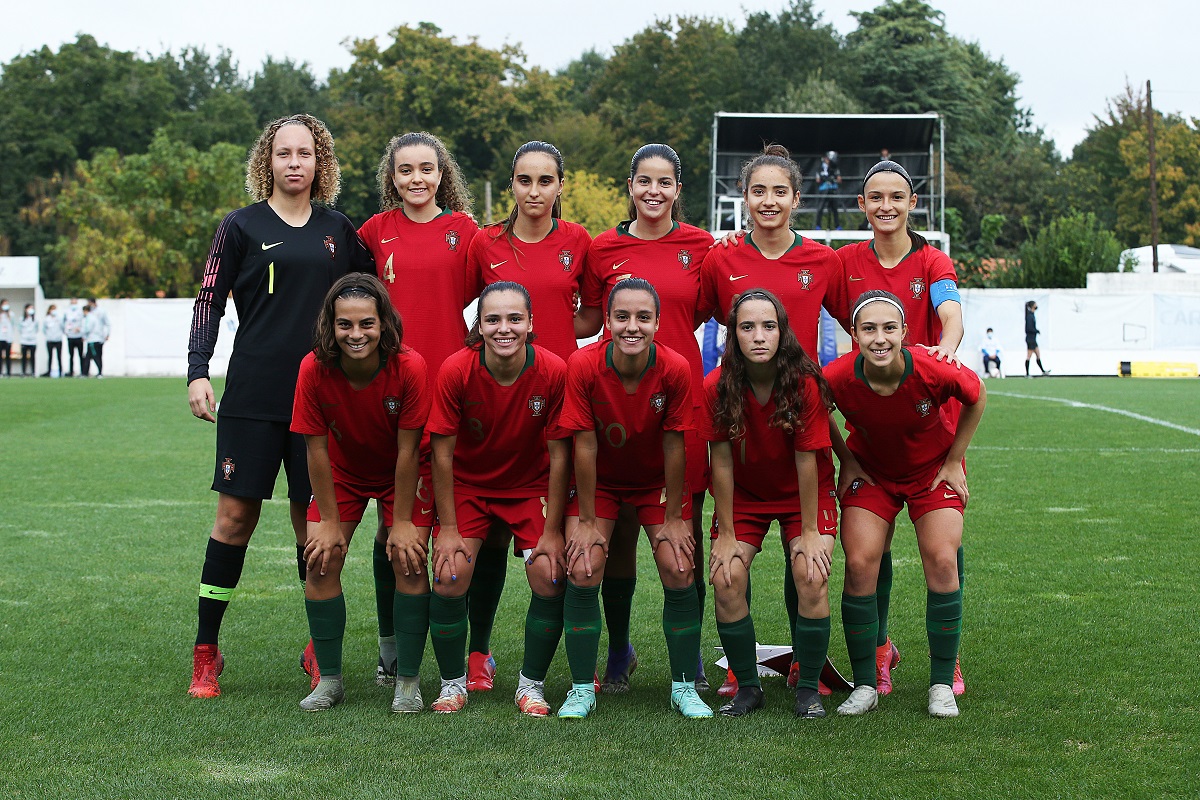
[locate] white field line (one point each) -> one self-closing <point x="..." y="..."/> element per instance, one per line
<point x="1094" y="407"/>
<point x="1166" y="450"/>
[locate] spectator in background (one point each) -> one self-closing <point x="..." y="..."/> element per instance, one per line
<point x="29" y="334"/>
<point x="885" y="154"/>
<point x="829" y="180"/>
<point x="1031" y="334"/>
<point x="991" y="355"/>
<point x="73" y="328"/>
<point x="7" y="331"/>
<point x="52" y="329"/>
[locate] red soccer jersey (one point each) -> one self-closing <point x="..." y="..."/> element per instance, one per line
<point x="550" y="269"/>
<point x="361" y="423"/>
<point x="501" y="430"/>
<point x="672" y="265"/>
<point x="805" y="278"/>
<point x="909" y="280"/>
<point x="629" y="427"/>
<point x="424" y="266"/>
<point x="903" y="436"/>
<point x="764" y="464"/>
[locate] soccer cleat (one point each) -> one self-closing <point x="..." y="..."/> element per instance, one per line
<point x="886" y="658"/>
<point x="793" y="679"/>
<point x="451" y="699"/>
<point x="808" y="704"/>
<point x="616" y="673"/>
<point x="747" y="700"/>
<point x="580" y="702"/>
<point x="730" y="687"/>
<point x="308" y="663"/>
<point x="860" y="701"/>
<point x="941" y="701"/>
<point x="959" y="686"/>
<point x="701" y="681"/>
<point x="385" y="675"/>
<point x="531" y="699"/>
<point x="329" y="693"/>
<point x="407" y="699"/>
<point x="207" y="664"/>
<point x="686" y="701"/>
<point x="481" y="669"/>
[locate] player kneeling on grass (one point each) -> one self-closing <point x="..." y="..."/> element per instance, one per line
<point x="893" y="398"/>
<point x="499" y="458"/>
<point x="361" y="402"/>
<point x="766" y="416"/>
<point x="629" y="402"/>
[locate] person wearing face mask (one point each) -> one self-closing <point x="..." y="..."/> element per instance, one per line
<point x="52" y="329"/>
<point x="73" y="329"/>
<point x="990" y="348"/>
<point x="7" y="329"/>
<point x="28" y="334"/>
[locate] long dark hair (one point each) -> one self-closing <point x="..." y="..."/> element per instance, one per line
<point x="666" y="153"/>
<point x="364" y="286"/>
<point x="475" y="338"/>
<point x="918" y="241"/>
<point x="510" y="222"/>
<point x="792" y="363"/>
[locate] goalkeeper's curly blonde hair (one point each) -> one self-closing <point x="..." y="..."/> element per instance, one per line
<point x="327" y="182"/>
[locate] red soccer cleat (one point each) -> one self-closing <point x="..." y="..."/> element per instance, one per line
<point x="886" y="658"/>
<point x="730" y="686"/>
<point x="308" y="662"/>
<point x="959" y="685"/>
<point x="207" y="664"/>
<point x="481" y="668"/>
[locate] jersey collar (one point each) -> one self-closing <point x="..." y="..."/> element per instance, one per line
<point x="796" y="243"/>
<point x="623" y="229"/>
<point x="529" y="356"/>
<point x="862" y="376"/>
<point x="914" y="248"/>
<point x="608" y="359"/>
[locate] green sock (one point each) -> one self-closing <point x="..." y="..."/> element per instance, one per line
<point x="859" y="621"/>
<point x="411" y="615"/>
<point x="448" y="630"/>
<point x="327" y="626"/>
<point x="483" y="598"/>
<point x="739" y="642"/>
<point x="791" y="601"/>
<point x="883" y="595"/>
<point x="681" y="626"/>
<point x="962" y="583"/>
<point x="812" y="636"/>
<point x="943" y="621"/>
<point x="543" y="629"/>
<point x="385" y="587"/>
<point x="581" y="630"/>
<point x="618" y="607"/>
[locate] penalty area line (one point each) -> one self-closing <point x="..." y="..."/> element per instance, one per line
<point x="1094" y="407"/>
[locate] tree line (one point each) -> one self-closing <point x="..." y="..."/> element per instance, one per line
<point x="118" y="166"/>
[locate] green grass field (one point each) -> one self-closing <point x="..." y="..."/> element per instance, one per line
<point x="1080" y="654"/>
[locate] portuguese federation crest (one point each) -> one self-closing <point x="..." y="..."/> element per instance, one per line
<point x="537" y="404"/>
<point x="685" y="258"/>
<point x="924" y="406"/>
<point x="452" y="240"/>
<point x="392" y="404"/>
<point x="658" y="401"/>
<point x="917" y="287"/>
<point x="565" y="258"/>
<point x="804" y="277"/>
<point x="331" y="246"/>
<point x="227" y="469"/>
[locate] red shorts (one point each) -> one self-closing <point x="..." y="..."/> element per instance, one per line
<point x="525" y="516"/>
<point x="886" y="498"/>
<point x="352" y="502"/>
<point x="424" y="513"/>
<point x="651" y="504"/>
<point x="751" y="526"/>
<point x="696" y="452"/>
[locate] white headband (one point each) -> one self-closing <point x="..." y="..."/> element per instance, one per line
<point x="880" y="299"/>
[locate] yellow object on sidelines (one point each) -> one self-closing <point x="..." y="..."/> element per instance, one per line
<point x="1157" y="369"/>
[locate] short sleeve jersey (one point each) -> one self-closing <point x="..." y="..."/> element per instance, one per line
<point x="805" y="278"/>
<point x="903" y="436"/>
<point x="362" y="424"/>
<point x="629" y="427"/>
<point x="550" y="269"/>
<point x="424" y="267"/>
<point x="909" y="280"/>
<point x="279" y="276"/>
<point x="502" y="430"/>
<point x="672" y="265"/>
<point x="764" y="464"/>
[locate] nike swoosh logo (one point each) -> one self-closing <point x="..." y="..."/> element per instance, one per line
<point x="619" y="263"/>
<point x="949" y="496"/>
<point x="856" y="279"/>
<point x="266" y="246"/>
<point x="738" y="277"/>
<point x="500" y="263"/>
<point x="858" y="633"/>
<point x="951" y="628"/>
<point x="426" y="510"/>
<point x="385" y="241"/>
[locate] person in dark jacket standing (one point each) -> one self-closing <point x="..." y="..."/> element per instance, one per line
<point x="1031" y="334"/>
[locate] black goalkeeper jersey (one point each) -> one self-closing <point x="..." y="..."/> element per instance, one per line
<point x="278" y="275"/>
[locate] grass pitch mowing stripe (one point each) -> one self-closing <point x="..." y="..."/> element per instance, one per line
<point x="1079" y="644"/>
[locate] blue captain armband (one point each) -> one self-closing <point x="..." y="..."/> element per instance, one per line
<point x="941" y="291"/>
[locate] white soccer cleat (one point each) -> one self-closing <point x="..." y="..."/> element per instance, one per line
<point x="329" y="693"/>
<point x="407" y="699"/>
<point x="860" y="701"/>
<point x="941" y="701"/>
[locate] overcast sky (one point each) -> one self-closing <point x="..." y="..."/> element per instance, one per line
<point x="1071" y="56"/>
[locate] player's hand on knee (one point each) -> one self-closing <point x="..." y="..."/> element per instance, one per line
<point x="407" y="547"/>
